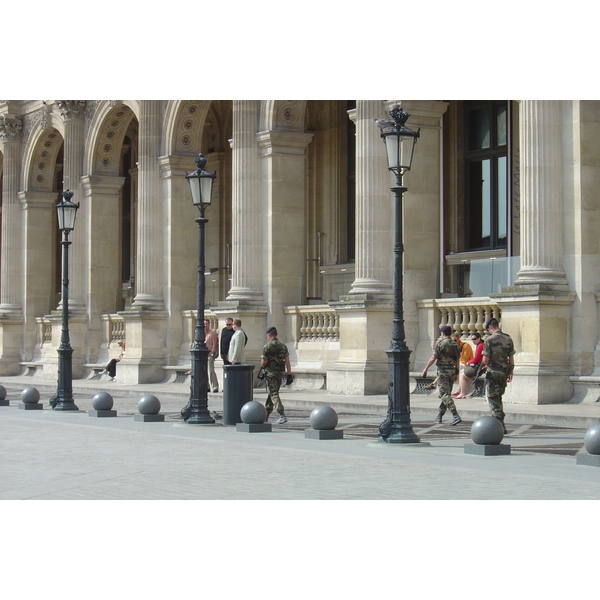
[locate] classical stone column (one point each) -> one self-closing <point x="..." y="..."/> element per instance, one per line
<point x="541" y="194"/>
<point x="73" y="114"/>
<point x="102" y="201"/>
<point x="374" y="205"/>
<point x="536" y="310"/>
<point x="11" y="261"/>
<point x="283" y="156"/>
<point x="150" y="227"/>
<point x="246" y="279"/>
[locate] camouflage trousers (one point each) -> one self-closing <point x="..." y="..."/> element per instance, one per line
<point x="445" y="382"/>
<point x="273" y="400"/>
<point x="495" y="387"/>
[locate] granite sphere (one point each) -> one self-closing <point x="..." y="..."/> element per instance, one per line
<point x="30" y="395"/>
<point x="148" y="405"/>
<point x="487" y="430"/>
<point x="591" y="440"/>
<point x="253" y="412"/>
<point x="470" y="372"/>
<point x="102" y="401"/>
<point x="323" y="418"/>
<point x="2" y="392"/>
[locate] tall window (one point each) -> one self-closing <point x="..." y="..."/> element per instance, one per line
<point x="486" y="164"/>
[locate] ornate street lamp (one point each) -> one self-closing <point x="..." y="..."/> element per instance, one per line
<point x="400" y="144"/>
<point x="63" y="400"/>
<point x="196" y="410"/>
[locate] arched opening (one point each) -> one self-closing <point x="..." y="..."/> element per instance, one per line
<point x="331" y="199"/>
<point x="112" y="197"/>
<point x="128" y="170"/>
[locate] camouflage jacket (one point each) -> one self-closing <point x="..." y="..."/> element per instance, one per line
<point x="275" y="352"/>
<point x="446" y="352"/>
<point x="498" y="347"/>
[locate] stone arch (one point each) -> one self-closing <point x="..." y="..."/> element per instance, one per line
<point x="40" y="159"/>
<point x="286" y="115"/>
<point x="105" y="139"/>
<point x="184" y="126"/>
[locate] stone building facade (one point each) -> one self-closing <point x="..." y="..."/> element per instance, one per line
<point x="501" y="218"/>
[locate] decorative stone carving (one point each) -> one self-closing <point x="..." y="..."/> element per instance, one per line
<point x="71" y="109"/>
<point x="289" y="116"/>
<point x="10" y="128"/>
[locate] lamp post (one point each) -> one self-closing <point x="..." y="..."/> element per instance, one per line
<point x="63" y="400"/>
<point x="196" y="410"/>
<point x="400" y="144"/>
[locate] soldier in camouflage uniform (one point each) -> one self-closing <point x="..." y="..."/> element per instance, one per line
<point x="275" y="361"/>
<point x="446" y="355"/>
<point x="498" y="357"/>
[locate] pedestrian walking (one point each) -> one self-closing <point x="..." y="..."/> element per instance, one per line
<point x="498" y="357"/>
<point x="275" y="361"/>
<point x="446" y="355"/>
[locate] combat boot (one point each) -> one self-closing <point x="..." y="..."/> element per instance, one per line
<point x="438" y="419"/>
<point x="503" y="425"/>
<point x="455" y="418"/>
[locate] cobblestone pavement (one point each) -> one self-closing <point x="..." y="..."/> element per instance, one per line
<point x="70" y="455"/>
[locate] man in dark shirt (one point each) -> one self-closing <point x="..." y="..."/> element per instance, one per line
<point x="226" y="335"/>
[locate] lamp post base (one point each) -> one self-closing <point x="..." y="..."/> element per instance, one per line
<point x="408" y="437"/>
<point x="200" y="419"/>
<point x="65" y="405"/>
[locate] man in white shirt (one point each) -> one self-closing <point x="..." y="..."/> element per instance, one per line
<point x="238" y="342"/>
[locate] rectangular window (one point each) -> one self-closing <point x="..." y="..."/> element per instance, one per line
<point x="486" y="163"/>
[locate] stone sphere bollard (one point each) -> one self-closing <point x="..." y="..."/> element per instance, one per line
<point x="30" y="395"/>
<point x="487" y="430"/>
<point x="102" y="401"/>
<point x="253" y="412"/>
<point x="148" y="405"/>
<point x="2" y="392"/>
<point x="323" y="418"/>
<point x="470" y="372"/>
<point x="591" y="441"/>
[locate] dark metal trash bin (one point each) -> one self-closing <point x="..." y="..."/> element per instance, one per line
<point x="238" y="387"/>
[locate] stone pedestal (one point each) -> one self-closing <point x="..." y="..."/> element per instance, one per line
<point x="487" y="449"/>
<point x="102" y="413"/>
<point x="11" y="338"/>
<point x="149" y="418"/>
<point x="30" y="406"/>
<point x="590" y="460"/>
<point x="145" y="332"/>
<point x="253" y="427"/>
<point x="254" y="324"/>
<point x="324" y="434"/>
<point x="538" y="320"/>
<point x="365" y="334"/>
<point x="4" y="403"/>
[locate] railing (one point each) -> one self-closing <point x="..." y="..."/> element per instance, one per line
<point x="314" y="323"/>
<point x="466" y="316"/>
<point x="113" y="329"/>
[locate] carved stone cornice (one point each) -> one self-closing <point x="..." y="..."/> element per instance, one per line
<point x="10" y="128"/>
<point x="71" y="109"/>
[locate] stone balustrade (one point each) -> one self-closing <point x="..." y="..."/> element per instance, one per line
<point x="466" y="316"/>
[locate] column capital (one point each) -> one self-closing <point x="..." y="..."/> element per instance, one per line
<point x="283" y="142"/>
<point x="101" y="184"/>
<point x="71" y="109"/>
<point x="11" y="128"/>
